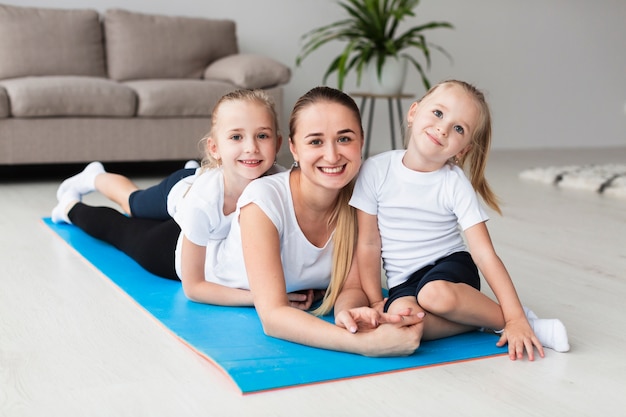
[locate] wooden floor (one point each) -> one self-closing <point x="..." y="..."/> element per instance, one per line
<point x="72" y="345"/>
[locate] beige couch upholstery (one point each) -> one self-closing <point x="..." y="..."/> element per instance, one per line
<point x="77" y="86"/>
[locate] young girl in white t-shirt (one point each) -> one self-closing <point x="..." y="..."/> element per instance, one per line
<point x="240" y="147"/>
<point x="411" y="207"/>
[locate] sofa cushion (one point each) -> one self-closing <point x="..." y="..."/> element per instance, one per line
<point x="39" y="41"/>
<point x="143" y="46"/>
<point x="175" y="98"/>
<point x="249" y="71"/>
<point x="69" y="96"/>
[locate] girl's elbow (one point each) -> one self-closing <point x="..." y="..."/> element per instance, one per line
<point x="191" y="293"/>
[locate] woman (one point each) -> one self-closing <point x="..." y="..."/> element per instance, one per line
<point x="293" y="228"/>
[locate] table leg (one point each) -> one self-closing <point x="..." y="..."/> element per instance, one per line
<point x="391" y="126"/>
<point x="368" y="135"/>
<point x="401" y="120"/>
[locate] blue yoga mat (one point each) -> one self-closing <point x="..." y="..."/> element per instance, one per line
<point x="233" y="339"/>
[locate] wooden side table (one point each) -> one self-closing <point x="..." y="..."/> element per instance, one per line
<point x="365" y="97"/>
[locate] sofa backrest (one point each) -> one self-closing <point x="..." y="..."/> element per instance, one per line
<point x="144" y="46"/>
<point x="40" y="41"/>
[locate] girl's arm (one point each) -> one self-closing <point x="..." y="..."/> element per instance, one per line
<point x="517" y="330"/>
<point x="198" y="289"/>
<point x="261" y="249"/>
<point x="368" y="256"/>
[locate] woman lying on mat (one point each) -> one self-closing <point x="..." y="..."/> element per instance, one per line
<point x="241" y="146"/>
<point x="410" y="207"/>
<point x="290" y="232"/>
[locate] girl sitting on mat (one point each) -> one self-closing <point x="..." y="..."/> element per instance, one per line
<point x="291" y="231"/>
<point x="410" y="205"/>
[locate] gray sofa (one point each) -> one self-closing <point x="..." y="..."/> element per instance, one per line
<point x="77" y="86"/>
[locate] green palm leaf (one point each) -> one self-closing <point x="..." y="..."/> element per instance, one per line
<point x="369" y="32"/>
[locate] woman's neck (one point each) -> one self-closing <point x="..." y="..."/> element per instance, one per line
<point x="313" y="206"/>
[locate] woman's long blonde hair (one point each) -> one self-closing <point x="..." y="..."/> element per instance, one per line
<point x="343" y="215"/>
<point x="480" y="144"/>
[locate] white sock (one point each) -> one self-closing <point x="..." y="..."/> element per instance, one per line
<point x="192" y="163"/>
<point x="83" y="182"/>
<point x="551" y="333"/>
<point x="529" y="313"/>
<point x="59" y="212"/>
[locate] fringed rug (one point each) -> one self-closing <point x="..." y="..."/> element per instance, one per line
<point x="609" y="179"/>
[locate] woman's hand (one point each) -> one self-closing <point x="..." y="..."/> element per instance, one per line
<point x="395" y="339"/>
<point x="519" y="335"/>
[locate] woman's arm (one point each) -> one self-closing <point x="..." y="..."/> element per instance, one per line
<point x="261" y="249"/>
<point x="517" y="330"/>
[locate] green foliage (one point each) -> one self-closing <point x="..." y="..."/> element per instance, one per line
<point x="370" y="33"/>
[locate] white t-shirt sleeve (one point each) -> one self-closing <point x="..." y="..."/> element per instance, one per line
<point x="365" y="194"/>
<point x="178" y="192"/>
<point x="466" y="205"/>
<point x="199" y="213"/>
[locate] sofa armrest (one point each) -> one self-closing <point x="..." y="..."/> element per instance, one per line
<point x="249" y="71"/>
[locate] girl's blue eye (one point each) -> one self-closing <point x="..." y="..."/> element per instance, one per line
<point x="459" y="129"/>
<point x="263" y="136"/>
<point x="316" y="142"/>
<point x="438" y="113"/>
<point x="236" y="137"/>
<point x="344" y="139"/>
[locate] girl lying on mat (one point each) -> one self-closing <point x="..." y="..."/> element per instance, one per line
<point x="288" y="232"/>
<point x="411" y="204"/>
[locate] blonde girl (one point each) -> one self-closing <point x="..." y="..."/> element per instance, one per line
<point x="411" y="207"/>
<point x="240" y="147"/>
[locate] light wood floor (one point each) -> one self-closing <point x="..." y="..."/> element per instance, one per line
<point x="71" y="345"/>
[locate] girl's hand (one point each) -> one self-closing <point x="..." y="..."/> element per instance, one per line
<point x="302" y="300"/>
<point x="369" y="318"/>
<point x="520" y="337"/>
<point x="359" y="318"/>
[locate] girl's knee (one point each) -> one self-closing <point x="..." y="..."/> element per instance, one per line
<point x="438" y="297"/>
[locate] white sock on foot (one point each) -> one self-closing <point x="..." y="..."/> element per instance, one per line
<point x="83" y="182"/>
<point x="59" y="212"/>
<point x="551" y="333"/>
<point x="529" y="313"/>
<point x="192" y="163"/>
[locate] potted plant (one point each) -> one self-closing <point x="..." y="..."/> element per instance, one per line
<point x="371" y="33"/>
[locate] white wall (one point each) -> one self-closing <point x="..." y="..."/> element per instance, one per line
<point x="554" y="70"/>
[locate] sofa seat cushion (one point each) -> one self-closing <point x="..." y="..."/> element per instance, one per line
<point x="142" y="46"/>
<point x="4" y="103"/>
<point x="175" y="98"/>
<point x="68" y="96"/>
<point x="40" y="41"/>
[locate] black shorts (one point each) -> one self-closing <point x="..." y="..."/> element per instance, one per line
<point x="457" y="267"/>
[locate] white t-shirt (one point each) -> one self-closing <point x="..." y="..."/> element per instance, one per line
<point x="305" y="265"/>
<point x="179" y="190"/>
<point x="200" y="215"/>
<point x="419" y="213"/>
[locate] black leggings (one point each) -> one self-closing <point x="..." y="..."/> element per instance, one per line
<point x="151" y="243"/>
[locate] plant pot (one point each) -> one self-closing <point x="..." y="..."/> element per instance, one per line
<point x="391" y="79"/>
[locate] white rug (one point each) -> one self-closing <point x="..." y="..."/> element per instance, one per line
<point x="609" y="179"/>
